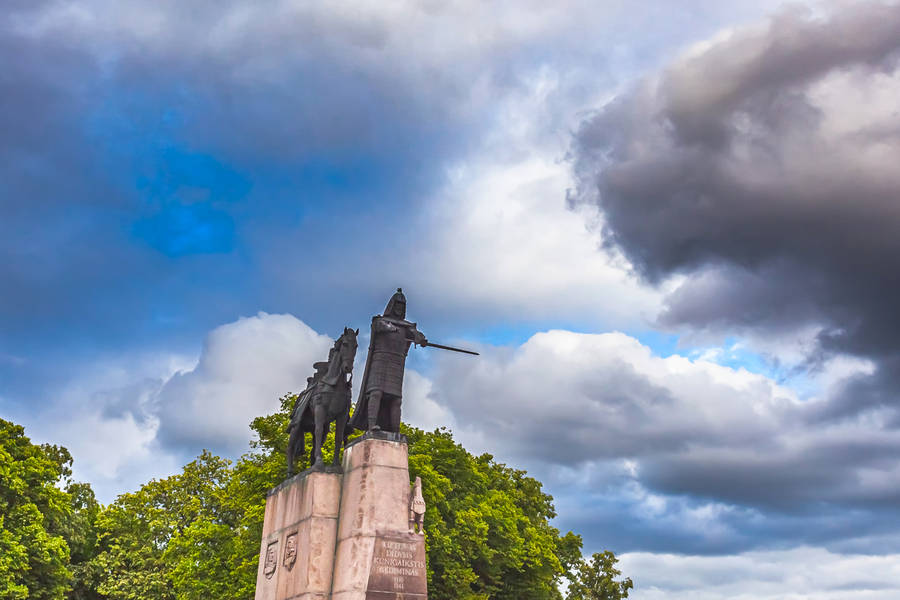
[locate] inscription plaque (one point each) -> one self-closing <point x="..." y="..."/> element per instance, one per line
<point x="398" y="568"/>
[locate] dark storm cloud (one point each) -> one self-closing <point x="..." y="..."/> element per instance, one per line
<point x="864" y="392"/>
<point x="151" y="150"/>
<point x="155" y="153"/>
<point x="762" y="167"/>
<point x="764" y="164"/>
<point x="52" y="245"/>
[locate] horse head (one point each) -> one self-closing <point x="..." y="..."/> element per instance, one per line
<point x="340" y="358"/>
<point x="347" y="349"/>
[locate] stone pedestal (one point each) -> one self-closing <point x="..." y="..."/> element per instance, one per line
<point x="376" y="557"/>
<point x="349" y="534"/>
<point x="299" y="531"/>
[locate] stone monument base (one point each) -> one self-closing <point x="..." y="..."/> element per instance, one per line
<point x="377" y="557"/>
<point x="352" y="532"/>
<point x="297" y="550"/>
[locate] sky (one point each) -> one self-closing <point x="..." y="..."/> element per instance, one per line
<point x="672" y="230"/>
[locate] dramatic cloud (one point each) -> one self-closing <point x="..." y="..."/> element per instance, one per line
<point x="763" y="164"/>
<point x="243" y="369"/>
<point x="167" y="167"/>
<point x="156" y="153"/>
<point x="776" y="575"/>
<point x="107" y="417"/>
<point x="128" y="419"/>
<point x="674" y="454"/>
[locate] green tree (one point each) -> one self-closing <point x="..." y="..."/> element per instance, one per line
<point x="596" y="579"/>
<point x="488" y="532"/>
<point x="488" y="526"/>
<point x="80" y="532"/>
<point x="46" y="520"/>
<point x="196" y="534"/>
<point x="146" y="536"/>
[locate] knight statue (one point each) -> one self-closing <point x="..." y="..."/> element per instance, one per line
<point x="381" y="392"/>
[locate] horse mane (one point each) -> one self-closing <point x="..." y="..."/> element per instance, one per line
<point x="334" y="365"/>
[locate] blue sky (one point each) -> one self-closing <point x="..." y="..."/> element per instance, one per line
<point x="669" y="228"/>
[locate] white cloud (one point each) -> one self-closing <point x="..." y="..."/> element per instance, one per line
<point x="106" y="419"/>
<point x="803" y="573"/>
<point x="245" y="366"/>
<point x="114" y="454"/>
<point x="129" y="419"/>
<point x="671" y="452"/>
<point x="505" y="242"/>
<point x="610" y="396"/>
<point x="419" y="406"/>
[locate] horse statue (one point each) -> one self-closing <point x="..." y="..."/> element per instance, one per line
<point x="325" y="399"/>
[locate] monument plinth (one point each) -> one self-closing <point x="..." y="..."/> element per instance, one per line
<point x="299" y="532"/>
<point x="345" y="537"/>
<point x="377" y="557"/>
<point x="360" y="535"/>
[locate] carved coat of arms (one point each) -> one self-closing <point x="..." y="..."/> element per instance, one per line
<point x="271" y="560"/>
<point x="290" y="551"/>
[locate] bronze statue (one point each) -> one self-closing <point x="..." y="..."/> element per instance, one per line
<point x="381" y="392"/>
<point x="325" y="399"/>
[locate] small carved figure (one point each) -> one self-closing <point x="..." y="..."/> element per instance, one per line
<point x="271" y="560"/>
<point x="326" y="398"/>
<point x="417" y="508"/>
<point x="290" y="551"/>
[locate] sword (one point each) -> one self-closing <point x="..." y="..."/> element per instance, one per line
<point x="443" y="347"/>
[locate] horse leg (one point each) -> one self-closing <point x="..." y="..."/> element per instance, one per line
<point x="292" y="442"/>
<point x="320" y="435"/>
<point x="301" y="439"/>
<point x="339" y="425"/>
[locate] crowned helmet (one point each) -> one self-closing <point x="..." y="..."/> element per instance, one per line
<point x="397" y="302"/>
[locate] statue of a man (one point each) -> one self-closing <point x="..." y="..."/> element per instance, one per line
<point x="381" y="392"/>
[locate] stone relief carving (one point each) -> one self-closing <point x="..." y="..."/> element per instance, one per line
<point x="271" y="560"/>
<point x="290" y="551"/>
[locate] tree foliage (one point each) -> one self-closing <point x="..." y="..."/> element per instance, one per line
<point x="487" y="525"/>
<point x="46" y="520"/>
<point x="596" y="579"/>
<point x="196" y="535"/>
